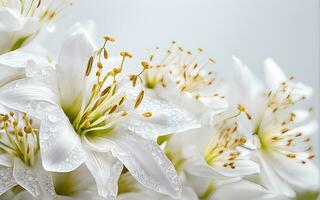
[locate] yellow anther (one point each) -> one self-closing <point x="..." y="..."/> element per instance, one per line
<point x="291" y="155"/>
<point x="147" y="114"/>
<point x="126" y="54"/>
<point x="139" y="99"/>
<point x="105" y="54"/>
<point x="89" y="66"/>
<point x="145" y="65"/>
<point x="99" y="65"/>
<point x="241" y="108"/>
<point x="212" y="60"/>
<point x="109" y="38"/>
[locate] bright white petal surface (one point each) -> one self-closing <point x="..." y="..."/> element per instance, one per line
<point x="247" y="84"/>
<point x="166" y="118"/>
<point x="76" y="51"/>
<point x="13" y="64"/>
<point x="34" y="179"/>
<point x="6" y="179"/>
<point x="274" y="75"/>
<point x="245" y="190"/>
<point x="10" y="20"/>
<point x="61" y="148"/>
<point x="271" y="180"/>
<point x="304" y="176"/>
<point x="106" y="170"/>
<point x="143" y="158"/>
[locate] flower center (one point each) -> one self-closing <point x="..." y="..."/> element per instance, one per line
<point x="185" y="70"/>
<point x="275" y="129"/>
<point x="19" y="140"/>
<point x="103" y="108"/>
<point x="223" y="146"/>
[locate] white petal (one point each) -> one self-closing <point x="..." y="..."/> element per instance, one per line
<point x="76" y="51"/>
<point x="146" y="162"/>
<point x="61" y="148"/>
<point x="34" y="179"/>
<point x="247" y="89"/>
<point x="273" y="74"/>
<point x="6" y="179"/>
<point x="295" y="173"/>
<point x="270" y="179"/>
<point x="106" y="170"/>
<point x="167" y="118"/>
<point x="245" y="190"/>
<point x="10" y="20"/>
<point x="19" y="59"/>
<point x="246" y="129"/>
<point x="6" y="160"/>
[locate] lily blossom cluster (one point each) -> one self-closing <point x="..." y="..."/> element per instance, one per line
<point x="85" y="126"/>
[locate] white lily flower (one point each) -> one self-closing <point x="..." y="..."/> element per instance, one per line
<point x="98" y="118"/>
<point x="21" y="20"/>
<point x="20" y="162"/>
<point x="181" y="78"/>
<point x="214" y="152"/>
<point x="276" y="131"/>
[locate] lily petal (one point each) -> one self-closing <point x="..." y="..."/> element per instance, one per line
<point x="34" y="179"/>
<point x="6" y="179"/>
<point x="166" y="118"/>
<point x="273" y="73"/>
<point x="75" y="53"/>
<point x="270" y="179"/>
<point x="106" y="170"/>
<point x="244" y="190"/>
<point x="144" y="159"/>
<point x="295" y="173"/>
<point x="61" y="148"/>
<point x="275" y="76"/>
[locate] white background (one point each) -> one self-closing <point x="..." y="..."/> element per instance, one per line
<point x="286" y="30"/>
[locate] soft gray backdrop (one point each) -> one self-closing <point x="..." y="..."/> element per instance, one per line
<point x="286" y="30"/>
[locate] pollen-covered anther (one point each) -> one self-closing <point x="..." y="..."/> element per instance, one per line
<point x="311" y="157"/>
<point x="284" y="130"/>
<point x="291" y="155"/>
<point x="212" y="60"/>
<point x="147" y="114"/>
<point x="126" y="54"/>
<point x="109" y="38"/>
<point x="145" y="65"/>
<point x="139" y="99"/>
<point x="99" y="65"/>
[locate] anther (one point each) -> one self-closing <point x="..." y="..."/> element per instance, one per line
<point x="126" y="54"/>
<point x="145" y="65"/>
<point x="139" y="99"/>
<point x="291" y="155"/>
<point x="147" y="114"/>
<point x="99" y="65"/>
<point x="108" y="38"/>
<point x="89" y="66"/>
